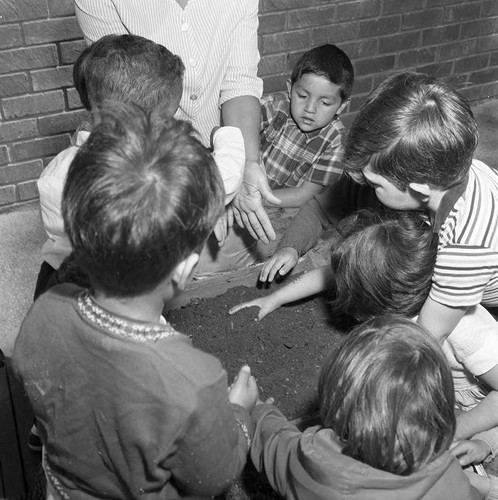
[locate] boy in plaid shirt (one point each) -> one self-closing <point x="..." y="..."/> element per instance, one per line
<point x="302" y="134"/>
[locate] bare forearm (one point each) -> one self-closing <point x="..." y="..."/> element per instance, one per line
<point x="481" y="418"/>
<point x="245" y="113"/>
<point x="297" y="196"/>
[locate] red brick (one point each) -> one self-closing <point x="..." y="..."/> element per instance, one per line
<point x="51" y="30"/>
<point x="381" y="26"/>
<point x="479" y="27"/>
<point x="21" y="172"/>
<point x="272" y="23"/>
<point x="456" y="81"/>
<point x="62" y="122"/>
<point x="272" y="5"/>
<point x="34" y="104"/>
<point x="362" y="48"/>
<point x="52" y="78"/>
<point x="489" y="8"/>
<point x="10" y="36"/>
<point x="472" y="93"/>
<point x="440" y="34"/>
<point x="306" y="18"/>
<point x="397" y="7"/>
<point x="457" y="49"/>
<point x="487" y="43"/>
<point x="484" y="76"/>
<point x="374" y="65"/>
<point x="73" y="98"/>
<point x="18" y="130"/>
<point x="439" y="69"/>
<point x="422" y="20"/>
<point x="357" y="10"/>
<point x="7" y="195"/>
<point x="415" y="58"/>
<point x="490" y="90"/>
<point x="342" y="32"/>
<point x="15" y="84"/>
<point x="472" y="63"/>
<point x="4" y="155"/>
<point x="276" y="63"/>
<point x="38" y="148"/>
<point x="59" y="8"/>
<point x="27" y="190"/>
<point x="493" y="59"/>
<point x="275" y="83"/>
<point x="362" y="85"/>
<point x="70" y="51"/>
<point x="463" y="12"/>
<point x="22" y="10"/>
<point x="399" y="42"/>
<point x="285" y="42"/>
<point x="27" y="58"/>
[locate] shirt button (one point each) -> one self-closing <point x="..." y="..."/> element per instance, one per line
<point x="184" y="27"/>
<point x="193" y="63"/>
<point x="193" y="97"/>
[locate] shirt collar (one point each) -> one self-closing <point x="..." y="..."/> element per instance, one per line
<point x="447" y="203"/>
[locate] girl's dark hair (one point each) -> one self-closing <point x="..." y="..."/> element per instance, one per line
<point x="328" y="61"/>
<point x="141" y="195"/>
<point x="128" y="68"/>
<point x="387" y="392"/>
<point x="383" y="265"/>
<point x="412" y="128"/>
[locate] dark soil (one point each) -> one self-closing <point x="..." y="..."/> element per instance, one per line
<point x="284" y="350"/>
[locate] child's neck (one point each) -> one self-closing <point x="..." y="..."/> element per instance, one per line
<point x="147" y="308"/>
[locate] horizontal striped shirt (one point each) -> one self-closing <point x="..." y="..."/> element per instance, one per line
<point x="291" y="156"/>
<point x="216" y="39"/>
<point x="466" y="271"/>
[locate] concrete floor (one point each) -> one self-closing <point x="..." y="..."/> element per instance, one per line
<point x="22" y="237"/>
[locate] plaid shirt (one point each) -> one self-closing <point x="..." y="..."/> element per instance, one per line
<point x="291" y="156"/>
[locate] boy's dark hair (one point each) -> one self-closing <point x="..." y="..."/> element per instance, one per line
<point x="330" y="62"/>
<point x="413" y="128"/>
<point x="141" y="195"/>
<point x="387" y="392"/>
<point x="128" y="68"/>
<point x="383" y="265"/>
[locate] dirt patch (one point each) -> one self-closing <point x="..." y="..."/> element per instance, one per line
<point x="285" y="349"/>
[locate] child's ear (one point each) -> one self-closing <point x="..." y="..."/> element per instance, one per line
<point x="420" y="191"/>
<point x="288" y="83"/>
<point x="184" y="270"/>
<point x="343" y="106"/>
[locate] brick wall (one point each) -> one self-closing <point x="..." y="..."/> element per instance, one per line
<point x="40" y="40"/>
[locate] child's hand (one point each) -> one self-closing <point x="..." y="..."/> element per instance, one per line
<point x="282" y="261"/>
<point x="468" y="452"/>
<point x="244" y="390"/>
<point x="266" y="306"/>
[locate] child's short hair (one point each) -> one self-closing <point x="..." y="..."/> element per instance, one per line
<point x="128" y="68"/>
<point x="387" y="392"/>
<point x="141" y="195"/>
<point x="413" y="128"/>
<point x="328" y="61"/>
<point x="383" y="265"/>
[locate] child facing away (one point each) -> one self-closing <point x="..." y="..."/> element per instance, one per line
<point x="386" y="406"/>
<point x="301" y="132"/>
<point x="129" y="69"/>
<point x="384" y="265"/>
<point x="126" y="406"/>
<point x="413" y="142"/>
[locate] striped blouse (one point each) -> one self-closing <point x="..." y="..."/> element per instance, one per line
<point x="466" y="271"/>
<point x="216" y="39"/>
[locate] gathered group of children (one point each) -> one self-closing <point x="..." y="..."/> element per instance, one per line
<point x="127" y="407"/>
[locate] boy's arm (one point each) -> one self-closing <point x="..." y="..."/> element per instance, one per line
<point x="229" y="155"/>
<point x="440" y="320"/>
<point x="294" y="197"/>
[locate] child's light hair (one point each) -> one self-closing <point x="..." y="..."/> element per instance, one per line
<point x="128" y="68"/>
<point x="413" y="128"/>
<point x="387" y="392"/>
<point x="141" y="195"/>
